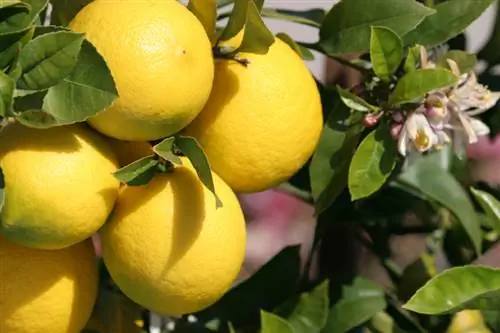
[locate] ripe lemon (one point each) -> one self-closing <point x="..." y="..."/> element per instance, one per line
<point x="262" y="122"/>
<point x="130" y="151"/>
<point x="468" y="321"/>
<point x="161" y="59"/>
<point x="59" y="187"/>
<point x="167" y="246"/>
<point x="46" y="290"/>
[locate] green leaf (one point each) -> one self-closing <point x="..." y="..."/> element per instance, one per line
<point x="412" y="58"/>
<point x="223" y="3"/>
<point x="15" y="3"/>
<point x="206" y="12"/>
<point x="236" y="21"/>
<point x="47" y="59"/>
<point x="303" y="52"/>
<point x="37" y="119"/>
<point x="465" y="61"/>
<point x="194" y="152"/>
<point x="269" y="287"/>
<point x="346" y="27"/>
<point x="450" y="19"/>
<point x="257" y="38"/>
<point x="490" y="205"/>
<point x="271" y="323"/>
<point x="19" y="17"/>
<point x="386" y="51"/>
<point x="63" y="11"/>
<point x="373" y="162"/>
<point x="466" y="287"/>
<point x="165" y="148"/>
<point x="417" y="83"/>
<point x="139" y="172"/>
<point x="6" y="93"/>
<point x="330" y="162"/>
<point x="89" y="89"/>
<point x="355" y="102"/>
<point x="311" y="312"/>
<point x="360" y="302"/>
<point x="428" y="178"/>
<point x="311" y="17"/>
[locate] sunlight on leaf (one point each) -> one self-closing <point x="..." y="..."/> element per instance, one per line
<point x="466" y="287"/>
<point x="139" y="172"/>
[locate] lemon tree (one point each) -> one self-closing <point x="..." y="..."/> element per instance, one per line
<point x="129" y="129"/>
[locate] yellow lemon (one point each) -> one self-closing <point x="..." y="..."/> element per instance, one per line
<point x="468" y="321"/>
<point x="167" y="246"/>
<point x="59" y="186"/>
<point x="46" y="290"/>
<point x="262" y="122"/>
<point x="161" y="59"/>
<point x="130" y="151"/>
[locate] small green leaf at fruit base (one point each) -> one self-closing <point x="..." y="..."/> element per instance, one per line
<point x="165" y="148"/>
<point x="386" y="51"/>
<point x="6" y="93"/>
<point x="194" y="152"/>
<point x="458" y="288"/>
<point x="37" y="119"/>
<point x="311" y="17"/>
<point x="346" y="27"/>
<point x="257" y="38"/>
<point x="360" y="302"/>
<point x="206" y="12"/>
<point x="373" y="162"/>
<point x="303" y="52"/>
<point x="490" y="205"/>
<point x="271" y="323"/>
<point x="236" y="21"/>
<point x="139" y="172"/>
<point x="49" y="58"/>
<point x="311" y="312"/>
<point x="63" y="11"/>
<point x="449" y="20"/>
<point x="417" y="83"/>
<point x="412" y="58"/>
<point x="429" y="179"/>
<point x="465" y="61"/>
<point x="266" y="289"/>
<point x="355" y="102"/>
<point x="89" y="89"/>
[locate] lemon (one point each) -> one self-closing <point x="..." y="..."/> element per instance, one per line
<point x="468" y="321"/>
<point x="46" y="290"/>
<point x="262" y="122"/>
<point x="168" y="248"/>
<point x="59" y="186"/>
<point x="161" y="60"/>
<point x="130" y="151"/>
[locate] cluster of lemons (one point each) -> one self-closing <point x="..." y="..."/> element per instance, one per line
<point x="165" y="244"/>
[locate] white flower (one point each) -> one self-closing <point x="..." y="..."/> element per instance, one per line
<point x="417" y="134"/>
<point x="473" y="97"/>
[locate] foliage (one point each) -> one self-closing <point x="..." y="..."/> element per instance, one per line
<point x="391" y="146"/>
